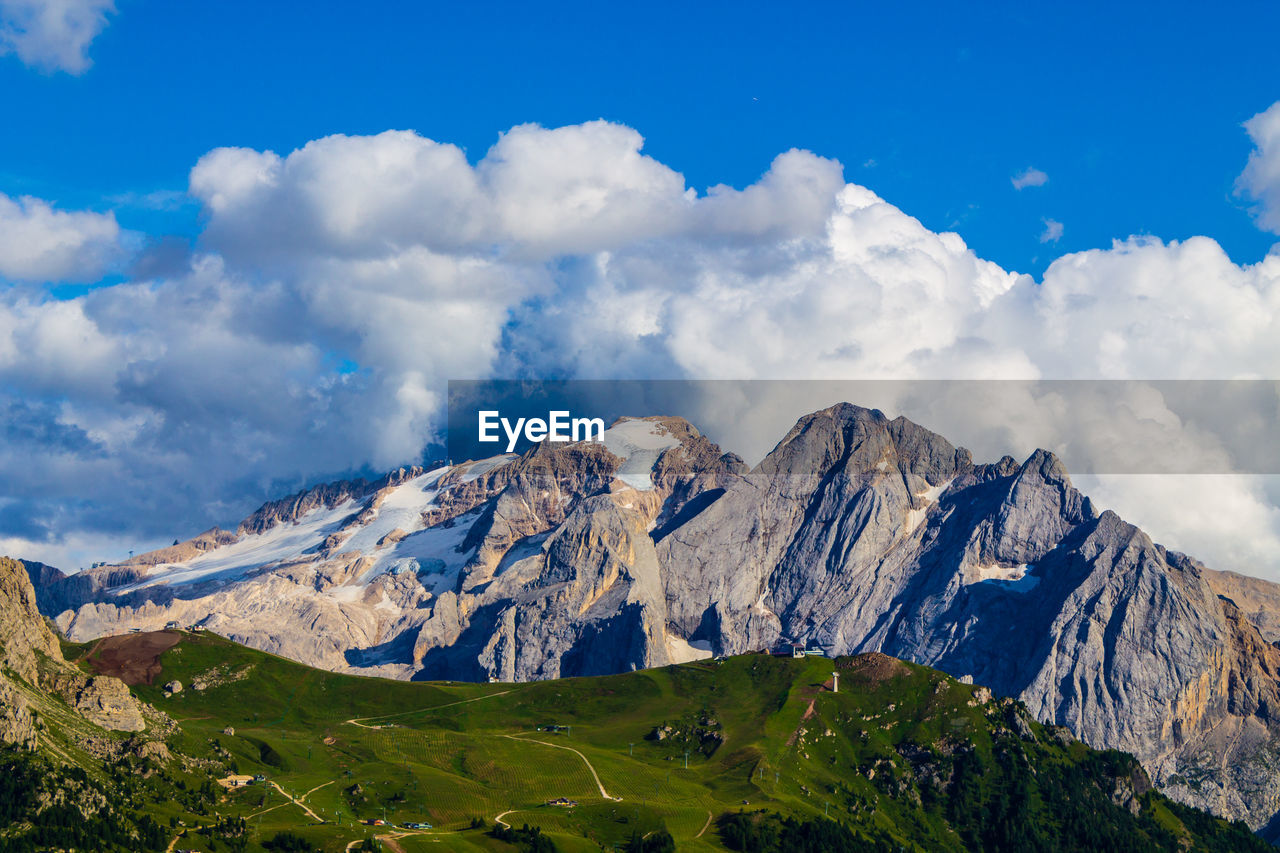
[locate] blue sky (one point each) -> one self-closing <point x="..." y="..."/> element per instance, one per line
<point x="244" y="246"/>
<point x="1132" y="111"/>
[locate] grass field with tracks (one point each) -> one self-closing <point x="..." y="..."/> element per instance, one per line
<point x="675" y="749"/>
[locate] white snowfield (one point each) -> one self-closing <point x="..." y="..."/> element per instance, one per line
<point x="930" y="497"/>
<point x="229" y="562"/>
<point x="680" y="650"/>
<point x="1012" y="578"/>
<point x="402" y="509"/>
<point x="639" y="443"/>
<point x="430" y="553"/>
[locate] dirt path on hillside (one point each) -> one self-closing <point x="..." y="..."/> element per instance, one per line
<point x="594" y="775"/>
<point x="360" y="721"/>
<point x="300" y="802"/>
<point x="499" y="817"/>
<point x="389" y="839"/>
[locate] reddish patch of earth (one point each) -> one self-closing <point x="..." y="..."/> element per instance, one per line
<point x="132" y="658"/>
<point x="874" y="667"/>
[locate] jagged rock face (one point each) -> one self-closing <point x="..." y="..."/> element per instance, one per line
<point x="565" y="579"/>
<point x="856" y="534"/>
<point x="23" y="632"/>
<point x="292" y="508"/>
<point x="540" y="492"/>
<point x="885" y="539"/>
<point x="600" y="569"/>
<point x="835" y="494"/>
<point x="1259" y="600"/>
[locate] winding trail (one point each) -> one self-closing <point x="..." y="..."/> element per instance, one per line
<point x="360" y="721"/>
<point x="297" y="802"/>
<point x="705" y="826"/>
<point x="594" y="775"/>
<point x="390" y="839"/>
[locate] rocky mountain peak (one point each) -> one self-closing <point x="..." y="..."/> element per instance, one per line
<point x="1039" y="507"/>
<point x="23" y="632"/>
<point x="327" y="495"/>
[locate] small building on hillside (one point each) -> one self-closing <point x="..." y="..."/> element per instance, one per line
<point x="789" y="650"/>
<point x="235" y="780"/>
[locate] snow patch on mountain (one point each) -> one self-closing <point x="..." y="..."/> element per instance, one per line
<point x="429" y="553"/>
<point x="1012" y="578"/>
<point x="929" y="496"/>
<point x="400" y="510"/>
<point x="932" y="494"/>
<point x="432" y="554"/>
<point x="680" y="650"/>
<point x="638" y="443"/>
<point x="477" y="469"/>
<point x="228" y="562"/>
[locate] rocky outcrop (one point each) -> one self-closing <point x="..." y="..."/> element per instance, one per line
<point x="23" y="632"/>
<point x="179" y="551"/>
<point x="329" y="495"/>
<point x="566" y="579"/>
<point x="17" y="721"/>
<point x="542" y="489"/>
<point x="1257" y="599"/>
<point x="799" y="532"/>
<point x="107" y="702"/>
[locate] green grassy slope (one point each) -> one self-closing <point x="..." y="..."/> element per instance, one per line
<point x="902" y="756"/>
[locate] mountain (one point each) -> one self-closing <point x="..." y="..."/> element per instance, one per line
<point x="856" y="534"/>
<point x="452" y="572"/>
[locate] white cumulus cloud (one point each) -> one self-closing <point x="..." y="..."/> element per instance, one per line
<point x="52" y="35"/>
<point x="40" y="243"/>
<point x="336" y="288"/>
<point x="1261" y="177"/>
<point x="1029" y="177"/>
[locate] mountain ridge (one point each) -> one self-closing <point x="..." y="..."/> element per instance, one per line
<point x="857" y="533"/>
